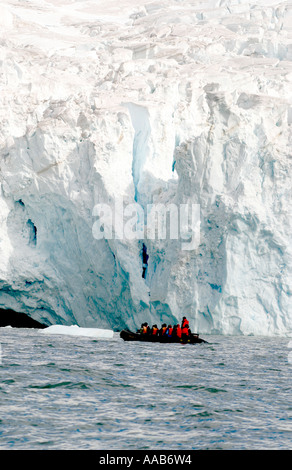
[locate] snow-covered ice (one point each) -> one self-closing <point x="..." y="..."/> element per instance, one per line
<point x="75" y="330"/>
<point x="171" y="101"/>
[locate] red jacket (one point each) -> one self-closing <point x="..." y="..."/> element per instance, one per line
<point x="185" y="323"/>
<point x="178" y="332"/>
<point x="185" y="331"/>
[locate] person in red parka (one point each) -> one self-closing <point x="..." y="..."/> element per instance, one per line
<point x="184" y="322"/>
<point x="178" y="331"/>
<point x="185" y="332"/>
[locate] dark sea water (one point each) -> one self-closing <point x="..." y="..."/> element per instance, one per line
<point x="68" y="392"/>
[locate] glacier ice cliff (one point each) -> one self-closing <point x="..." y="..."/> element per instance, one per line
<point x="161" y="101"/>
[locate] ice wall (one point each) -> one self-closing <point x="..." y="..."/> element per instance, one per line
<point x="149" y="102"/>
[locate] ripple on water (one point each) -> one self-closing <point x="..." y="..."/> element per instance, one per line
<point x="80" y="385"/>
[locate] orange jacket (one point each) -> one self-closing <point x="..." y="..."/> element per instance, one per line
<point x="178" y="332"/>
<point x="154" y="330"/>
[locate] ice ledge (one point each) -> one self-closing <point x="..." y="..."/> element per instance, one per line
<point x="75" y="330"/>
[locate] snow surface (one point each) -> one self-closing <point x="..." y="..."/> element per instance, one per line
<point x="75" y="330"/>
<point x="171" y="101"/>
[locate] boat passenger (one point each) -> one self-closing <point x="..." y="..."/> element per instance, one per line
<point x="146" y="329"/>
<point x="169" y="331"/>
<point x="162" y="329"/>
<point x="178" y="331"/>
<point x="185" y="332"/>
<point x="184" y="322"/>
<point x="154" y="330"/>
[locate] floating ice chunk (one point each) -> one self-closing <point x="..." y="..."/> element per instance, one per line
<point x="75" y="330"/>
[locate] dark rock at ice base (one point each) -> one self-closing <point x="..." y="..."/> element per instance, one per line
<point x="18" y="320"/>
